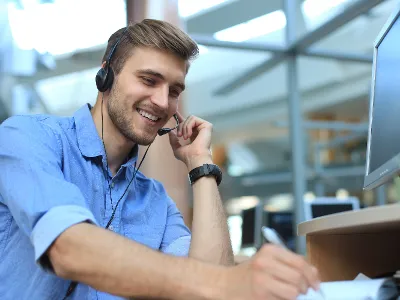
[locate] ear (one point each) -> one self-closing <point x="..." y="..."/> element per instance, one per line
<point x="103" y="64"/>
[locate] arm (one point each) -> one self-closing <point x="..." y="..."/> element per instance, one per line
<point x="111" y="263"/>
<point x="210" y="236"/>
<point x="210" y="240"/>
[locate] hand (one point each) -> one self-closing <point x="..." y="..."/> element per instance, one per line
<point x="197" y="132"/>
<point x="272" y="273"/>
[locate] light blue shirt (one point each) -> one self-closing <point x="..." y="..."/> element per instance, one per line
<point x="51" y="177"/>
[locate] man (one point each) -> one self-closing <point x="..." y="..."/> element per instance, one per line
<point x="64" y="180"/>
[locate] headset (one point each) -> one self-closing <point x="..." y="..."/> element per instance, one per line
<point x="163" y="131"/>
<point x="105" y="79"/>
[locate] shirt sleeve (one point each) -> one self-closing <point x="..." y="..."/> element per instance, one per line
<point x="32" y="184"/>
<point x="177" y="236"/>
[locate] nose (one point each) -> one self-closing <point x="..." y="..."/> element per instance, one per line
<point x="160" y="97"/>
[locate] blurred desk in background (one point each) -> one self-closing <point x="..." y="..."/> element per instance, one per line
<point x="345" y="244"/>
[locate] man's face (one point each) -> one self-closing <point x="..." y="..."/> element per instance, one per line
<point x="145" y="93"/>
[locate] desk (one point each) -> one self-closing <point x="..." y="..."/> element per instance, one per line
<point x="345" y="244"/>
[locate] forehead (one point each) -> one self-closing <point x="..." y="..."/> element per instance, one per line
<point x="169" y="65"/>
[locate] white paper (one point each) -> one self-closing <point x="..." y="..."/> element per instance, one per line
<point x="360" y="289"/>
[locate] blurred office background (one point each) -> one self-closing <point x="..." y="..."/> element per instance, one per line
<point x="289" y="124"/>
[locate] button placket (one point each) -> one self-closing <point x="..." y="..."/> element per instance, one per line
<point x="115" y="190"/>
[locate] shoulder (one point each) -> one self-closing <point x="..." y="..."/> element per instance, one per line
<point x="32" y="132"/>
<point x="35" y="124"/>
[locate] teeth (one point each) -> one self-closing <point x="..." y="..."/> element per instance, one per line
<point x="147" y="115"/>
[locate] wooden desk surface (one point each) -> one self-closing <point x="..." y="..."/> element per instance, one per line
<point x="364" y="241"/>
<point x="366" y="220"/>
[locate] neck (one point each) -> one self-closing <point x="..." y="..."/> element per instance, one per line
<point x="117" y="146"/>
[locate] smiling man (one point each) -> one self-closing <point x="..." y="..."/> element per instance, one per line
<point x="79" y="221"/>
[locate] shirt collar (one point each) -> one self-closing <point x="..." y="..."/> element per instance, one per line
<point x="89" y="141"/>
<point x="132" y="157"/>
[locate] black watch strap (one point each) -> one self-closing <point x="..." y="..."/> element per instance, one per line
<point x="205" y="170"/>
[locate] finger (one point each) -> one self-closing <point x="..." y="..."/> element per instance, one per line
<point x="180" y="117"/>
<point x="298" y="262"/>
<point x="281" y="270"/>
<point x="193" y="124"/>
<point x="181" y="126"/>
<point x="179" y="130"/>
<point x="181" y="120"/>
<point x="190" y="124"/>
<point x="173" y="140"/>
<point x="187" y="126"/>
<point x="184" y="127"/>
<point x="283" y="290"/>
<point x="289" y="275"/>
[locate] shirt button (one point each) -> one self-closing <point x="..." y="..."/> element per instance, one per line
<point x="112" y="185"/>
<point x="111" y="228"/>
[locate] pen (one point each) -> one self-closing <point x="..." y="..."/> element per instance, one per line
<point x="273" y="237"/>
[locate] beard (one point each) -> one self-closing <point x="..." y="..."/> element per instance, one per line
<point x="123" y="120"/>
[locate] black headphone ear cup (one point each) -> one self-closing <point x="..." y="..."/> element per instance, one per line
<point x="109" y="79"/>
<point x="101" y="78"/>
<point x="104" y="79"/>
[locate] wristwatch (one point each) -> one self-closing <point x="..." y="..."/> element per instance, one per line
<point x="205" y="170"/>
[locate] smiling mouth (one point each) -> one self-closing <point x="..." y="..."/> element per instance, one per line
<point x="148" y="116"/>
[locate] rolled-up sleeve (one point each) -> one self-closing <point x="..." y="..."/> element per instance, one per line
<point x="32" y="184"/>
<point x="177" y="236"/>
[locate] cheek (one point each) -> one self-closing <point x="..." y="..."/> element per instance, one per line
<point x="172" y="107"/>
<point x="134" y="92"/>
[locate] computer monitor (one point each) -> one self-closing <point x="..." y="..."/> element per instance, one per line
<point x="253" y="219"/>
<point x="383" y="151"/>
<point x="282" y="222"/>
<point x="248" y="227"/>
<point x="320" y="207"/>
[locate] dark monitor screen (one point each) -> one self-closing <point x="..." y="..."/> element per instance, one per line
<point x="282" y="222"/>
<point x="384" y="144"/>
<point x="320" y="210"/>
<point x="248" y="227"/>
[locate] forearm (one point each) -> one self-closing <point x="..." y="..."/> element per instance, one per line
<point x="116" y="265"/>
<point x="210" y="236"/>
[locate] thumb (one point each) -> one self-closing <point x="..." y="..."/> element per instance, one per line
<point x="173" y="140"/>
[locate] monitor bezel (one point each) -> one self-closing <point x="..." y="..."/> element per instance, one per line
<point x="354" y="201"/>
<point x="392" y="167"/>
<point x="258" y="221"/>
<point x="251" y="244"/>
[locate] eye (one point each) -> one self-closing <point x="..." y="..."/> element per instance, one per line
<point x="148" y="81"/>
<point x="174" y="93"/>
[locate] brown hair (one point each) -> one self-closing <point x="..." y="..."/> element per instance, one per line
<point x="149" y="33"/>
